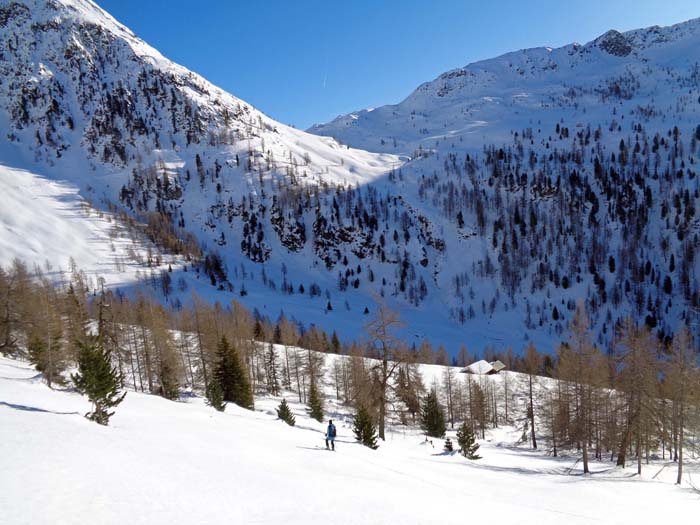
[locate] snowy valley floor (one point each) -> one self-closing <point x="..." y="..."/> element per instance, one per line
<point x="181" y="462"/>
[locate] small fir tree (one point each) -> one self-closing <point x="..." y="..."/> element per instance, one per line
<point x="98" y="380"/>
<point x="315" y="403"/>
<point x="466" y="440"/>
<point x="433" y="416"/>
<point x="169" y="381"/>
<point x="232" y="377"/>
<point x="364" y="429"/>
<point x="215" y="396"/>
<point x="448" y="445"/>
<point x="47" y="357"/>
<point x="273" y="384"/>
<point x="285" y="413"/>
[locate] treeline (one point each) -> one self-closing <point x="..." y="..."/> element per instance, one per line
<point x="636" y="400"/>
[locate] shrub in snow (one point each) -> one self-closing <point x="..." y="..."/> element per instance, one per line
<point x="285" y="414"/>
<point x="215" y="396"/>
<point x="466" y="440"/>
<point x="98" y="380"/>
<point x="364" y="429"/>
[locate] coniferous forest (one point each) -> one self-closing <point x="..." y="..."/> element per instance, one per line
<point x="458" y="302"/>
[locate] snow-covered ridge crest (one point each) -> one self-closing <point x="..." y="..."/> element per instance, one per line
<point x="84" y="78"/>
<point x="82" y="11"/>
<point x="544" y="67"/>
<point x="512" y="199"/>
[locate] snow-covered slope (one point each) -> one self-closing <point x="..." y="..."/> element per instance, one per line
<point x="45" y="223"/>
<point x="653" y="70"/>
<point x="182" y="462"/>
<point x="557" y="175"/>
<point x="505" y="191"/>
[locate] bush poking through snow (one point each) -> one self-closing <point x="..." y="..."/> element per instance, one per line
<point x="215" y="396"/>
<point x="98" y="380"/>
<point x="364" y="429"/>
<point x="285" y="413"/>
<point x="466" y="440"/>
<point x="448" y="446"/>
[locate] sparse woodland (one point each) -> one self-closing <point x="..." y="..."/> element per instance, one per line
<point x="637" y="401"/>
<point x="601" y="210"/>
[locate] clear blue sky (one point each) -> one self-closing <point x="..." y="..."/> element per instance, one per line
<point x="306" y="61"/>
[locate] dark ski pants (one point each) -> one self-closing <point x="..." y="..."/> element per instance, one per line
<point x="332" y="441"/>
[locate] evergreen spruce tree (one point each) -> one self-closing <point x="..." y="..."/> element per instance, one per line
<point x="47" y="357"/>
<point x="231" y="376"/>
<point x="169" y="381"/>
<point x="432" y="416"/>
<point x="285" y="413"/>
<point x="98" y="380"/>
<point x="273" y="384"/>
<point x="448" y="445"/>
<point x="466" y="440"/>
<point x="315" y="403"/>
<point x="215" y="396"/>
<point x="364" y="429"/>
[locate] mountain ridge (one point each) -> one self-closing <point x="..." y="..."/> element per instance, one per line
<point x="636" y="47"/>
<point x="486" y="217"/>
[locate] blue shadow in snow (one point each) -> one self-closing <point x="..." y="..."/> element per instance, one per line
<point x="26" y="408"/>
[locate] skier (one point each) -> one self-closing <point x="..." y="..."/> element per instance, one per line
<point x="330" y="435"/>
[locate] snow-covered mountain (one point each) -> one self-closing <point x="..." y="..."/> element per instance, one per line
<point x="503" y="192"/>
<point x="86" y="101"/>
<point x="576" y="165"/>
<point x="647" y="75"/>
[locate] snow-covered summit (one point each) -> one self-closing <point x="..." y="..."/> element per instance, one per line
<point x="526" y="182"/>
<point x="477" y="101"/>
<point x="90" y="84"/>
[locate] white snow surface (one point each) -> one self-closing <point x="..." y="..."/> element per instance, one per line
<point x="45" y="223"/>
<point x="77" y="82"/>
<point x="181" y="462"/>
<point x="480" y="367"/>
<point x="482" y="102"/>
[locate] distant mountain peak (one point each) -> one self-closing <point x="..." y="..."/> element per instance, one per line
<point x="517" y="179"/>
<point x="614" y="43"/>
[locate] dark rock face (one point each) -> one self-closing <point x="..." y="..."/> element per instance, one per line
<point x="615" y="43"/>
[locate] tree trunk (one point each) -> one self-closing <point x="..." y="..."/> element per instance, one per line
<point x="201" y="350"/>
<point x="382" y="401"/>
<point x="624" y="445"/>
<point x="584" y="443"/>
<point x="532" y="417"/>
<point x="679" y="479"/>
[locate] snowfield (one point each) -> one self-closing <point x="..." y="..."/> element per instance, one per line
<point x="46" y="223"/>
<point x="312" y="226"/>
<point x="182" y="462"/>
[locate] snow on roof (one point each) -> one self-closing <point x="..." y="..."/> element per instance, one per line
<point x="497" y="365"/>
<point x="480" y="367"/>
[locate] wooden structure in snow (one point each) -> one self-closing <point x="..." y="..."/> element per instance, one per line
<point x="484" y="368"/>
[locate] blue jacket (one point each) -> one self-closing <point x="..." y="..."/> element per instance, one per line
<point x="330" y="432"/>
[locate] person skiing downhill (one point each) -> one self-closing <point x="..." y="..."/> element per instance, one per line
<point x="330" y="435"/>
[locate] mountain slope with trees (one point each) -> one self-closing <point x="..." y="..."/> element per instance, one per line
<point x="506" y="191"/>
<point x="558" y="175"/>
